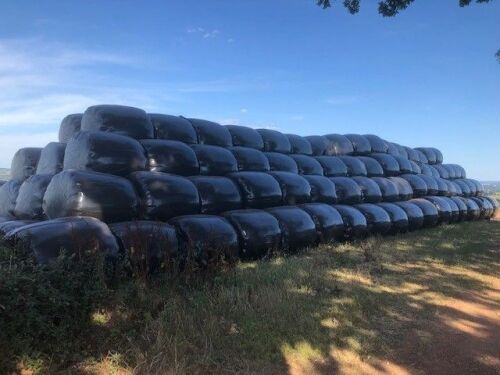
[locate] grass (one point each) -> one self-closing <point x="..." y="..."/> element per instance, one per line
<point x="337" y="308"/>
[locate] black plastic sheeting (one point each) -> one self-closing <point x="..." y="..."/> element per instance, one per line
<point x="74" y="235"/>
<point x="173" y="128"/>
<point x="392" y="149"/>
<point x="258" y="231"/>
<point x="398" y="216"/>
<point x="308" y="165"/>
<point x="417" y="184"/>
<point x="402" y="150"/>
<point x="431" y="183"/>
<point x="128" y="121"/>
<point x="414" y="213"/>
<point x="373" y="167"/>
<point x="421" y="156"/>
<point x="444" y="209"/>
<point x="430" y="211"/>
<point x="415" y="168"/>
<point x="453" y="189"/>
<point x="338" y="145"/>
<point x="355" y="167"/>
<point x="319" y="144"/>
<point x="70" y="125"/>
<point x="104" y="152"/>
<point x="333" y="166"/>
<point x="51" y="158"/>
<point x="404" y="164"/>
<point x="455" y="211"/>
<point x="443" y="172"/>
<point x="426" y="170"/>
<point x="294" y="188"/>
<point x="322" y="189"/>
<point x="245" y="137"/>
<point x="211" y="133"/>
<point x="370" y="191"/>
<point x="8" y="195"/>
<point x="434" y="171"/>
<point x="389" y="190"/>
<point x="473" y="211"/>
<point x="281" y="162"/>
<point x="214" y="160"/>
<point x="389" y="164"/>
<point x="299" y="144"/>
<point x="405" y="190"/>
<point x="81" y="193"/>
<point x="165" y="196"/>
<point x="24" y="163"/>
<point x="206" y="238"/>
<point x="298" y="230"/>
<point x="355" y="225"/>
<point x="170" y="157"/>
<point x="429" y="153"/>
<point x="412" y="154"/>
<point x="483" y="212"/>
<point x="348" y="191"/>
<point x="30" y="198"/>
<point x="257" y="189"/>
<point x="442" y="187"/>
<point x="360" y="144"/>
<point x="439" y="155"/>
<point x="463" y="187"/>
<point x="217" y="194"/>
<point x="274" y="141"/>
<point x="329" y="223"/>
<point x="249" y="159"/>
<point x="8" y="226"/>
<point x="377" y="219"/>
<point x="472" y="186"/>
<point x="479" y="187"/>
<point x="377" y="144"/>
<point x="451" y="171"/>
<point x="462" y="207"/>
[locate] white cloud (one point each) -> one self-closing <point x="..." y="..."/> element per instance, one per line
<point x="243" y="110"/>
<point x="211" y="34"/>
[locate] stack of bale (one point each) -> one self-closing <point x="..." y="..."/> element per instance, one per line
<point x="120" y="179"/>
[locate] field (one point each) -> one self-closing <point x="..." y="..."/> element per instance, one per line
<point x="426" y="302"/>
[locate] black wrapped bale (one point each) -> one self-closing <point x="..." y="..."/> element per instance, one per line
<point x="217" y="194"/>
<point x="275" y="141"/>
<point x="170" y="157"/>
<point x="434" y="171"/>
<point x="466" y="192"/>
<point x="488" y="207"/>
<point x="473" y="211"/>
<point x="389" y="190"/>
<point x="299" y="144"/>
<point x="74" y="235"/>
<point x="338" y="145"/>
<point x="402" y="150"/>
<point x="30" y="198"/>
<point x="373" y="167"/>
<point x="398" y="216"/>
<point x="460" y="171"/>
<point x="257" y="189"/>
<point x="355" y="225"/>
<point x="332" y="166"/>
<point x="308" y="165"/>
<point x="4" y="219"/>
<point x="2" y="183"/>
<point x="422" y="158"/>
<point x="377" y="144"/>
<point x="294" y="188"/>
<point x="472" y="186"/>
<point x="127" y="121"/>
<point x="282" y="163"/>
<point x="258" y="231"/>
<point x="415" y="168"/>
<point x="348" y="191"/>
<point x="462" y="207"/>
<point x="442" y="187"/>
<point x="149" y="246"/>
<point x="429" y="154"/>
<point x="439" y="155"/>
<point x="430" y="211"/>
<point x="8" y="196"/>
<point x="483" y="208"/>
<point x="215" y="160"/>
<point x="392" y="149"/>
<point x="389" y="164"/>
<point x="405" y="189"/>
<point x="443" y="172"/>
<point x="414" y="213"/>
<point x="360" y="144"/>
<point x="404" y="164"/>
<point x="81" y="193"/>
<point x="165" y="196"/>
<point x="8" y="226"/>
<point x="24" y="163"/>
<point x="426" y="170"/>
<point x="104" y="152"/>
<point x="479" y="187"/>
<point x="322" y="189"/>
<point x="370" y="192"/>
<point x="443" y="207"/>
<point x="493" y="201"/>
<point x="211" y="133"/>
<point x="319" y="144"/>
<point x="457" y="188"/>
<point x="250" y="159"/>
<point x="244" y="136"/>
<point x="70" y="125"/>
<point x="329" y="223"/>
<point x="417" y="184"/>
<point x="455" y="210"/>
<point x="412" y="154"/>
<point x="355" y="167"/>
<point x="298" y="230"/>
<point x="173" y="128"/>
<point x="451" y="171"/>
<point x="377" y="219"/>
<point x="431" y="183"/>
<point x="51" y="158"/>
<point x="452" y="188"/>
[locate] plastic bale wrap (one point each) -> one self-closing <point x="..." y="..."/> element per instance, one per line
<point x="355" y="167"/>
<point x="430" y="211"/>
<point x="217" y="194"/>
<point x="348" y="191"/>
<point x="257" y="189"/>
<point x="329" y="223"/>
<point x="275" y="141"/>
<point x="404" y="164"/>
<point x="70" y="125"/>
<point x="405" y="189"/>
<point x="439" y="155"/>
<point x="414" y="213"/>
<point x="415" y="167"/>
<point x="373" y="167"/>
<point x="442" y="187"/>
<point x="389" y="190"/>
<point x="206" y="241"/>
<point x="173" y="128"/>
<point x="245" y="137"/>
<point x="473" y="211"/>
<point x="170" y="157"/>
<point x="281" y="162"/>
<point x="29" y="201"/>
<point x="127" y="121"/>
<point x="426" y="170"/>
<point x="402" y="150"/>
<point x="452" y="188"/>
<point x="360" y="144"/>
<point x="377" y="219"/>
<point x="434" y="171"/>
<point x="322" y="189"/>
<point x="451" y="171"/>
<point x="211" y="133"/>
<point x="466" y="192"/>
<point x="10" y="225"/>
<point x="215" y="160"/>
<point x="457" y="188"/>
<point x="249" y="159"/>
<point x="333" y="166"/>
<point x="298" y="230"/>
<point x="483" y="208"/>
<point x="487" y="206"/>
<point x="299" y="144"/>
<point x="479" y="187"/>
<point x="417" y="184"/>
<point x="455" y="210"/>
<point x="104" y="152"/>
<point x="370" y="192"/>
<point x="429" y="154"/>
<point x="307" y="165"/>
<point x="392" y="149"/>
<point x="377" y="144"/>
<point x="294" y="188"/>
<point x="81" y="193"/>
<point x="494" y="204"/>
<point x="389" y="164"/>
<point x="443" y="207"/>
<point x="51" y="158"/>
<point x="421" y="156"/>
<point x="8" y="196"/>
<point x="4" y="219"/>
<point x="442" y="170"/>
<point x="338" y="145"/>
<point x="24" y="163"/>
<point x="355" y="225"/>
<point x="412" y="154"/>
<point x="431" y="183"/>
<point x="472" y="186"/>
<point x="258" y="231"/>
<point x="398" y="216"/>
<point x="149" y="246"/>
<point x="319" y="144"/>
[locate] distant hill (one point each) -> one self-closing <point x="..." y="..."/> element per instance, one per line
<point x="4" y="174"/>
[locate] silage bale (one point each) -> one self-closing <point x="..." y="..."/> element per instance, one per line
<point x="217" y="194"/>
<point x="322" y="189"/>
<point x="51" y="158"/>
<point x="355" y="167"/>
<point x="370" y="191"/>
<point x="250" y="159"/>
<point x="439" y="155"/>
<point x="434" y="171"/>
<point x="455" y="210"/>
<point x="319" y="144"/>
<point x="429" y="210"/>
<point x="398" y="216"/>
<point x="29" y="201"/>
<point x="472" y="186"/>
<point x="485" y="207"/>
<point x="462" y="208"/>
<point x="9" y="225"/>
<point x="466" y="191"/>
<point x="329" y="223"/>
<point x="333" y="166"/>
<point x="70" y="125"/>
<point x="389" y="164"/>
<point x="294" y="188"/>
<point x="348" y="191"/>
<point x="422" y="158"/>
<point x="275" y="141"/>
<point x="338" y="145"/>
<point x="414" y="213"/>
<point x="173" y="128"/>
<point x="211" y="133"/>
<point x="281" y="162"/>
<point x="442" y="187"/>
<point x="405" y="189"/>
<point x="412" y="154"/>
<point x="257" y="189"/>
<point x="373" y="167"/>
<point x="360" y="144"/>
<point x="417" y="184"/>
<point x="402" y="150"/>
<point x="452" y="189"/>
<point x="473" y="211"/>
<point x="377" y="144"/>
<point x="307" y="165"/>
<point x="442" y="170"/>
<point x="479" y="186"/>
<point x="389" y="190"/>
<point x="429" y="153"/>
<point x="426" y="170"/>
<point x="443" y="207"/>
<point x="300" y="145"/>
<point x="415" y="168"/>
<point x="377" y="219"/>
<point x="8" y="196"/>
<point x="298" y="230"/>
<point x="392" y="149"/>
<point x="404" y="164"/>
<point x="170" y="157"/>
<point x="431" y="183"/>
<point x="244" y="136"/>
<point x="24" y="163"/>
<point x="215" y="160"/>
<point x="355" y="225"/>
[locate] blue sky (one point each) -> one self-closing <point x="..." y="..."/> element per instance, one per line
<point x="425" y="77"/>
